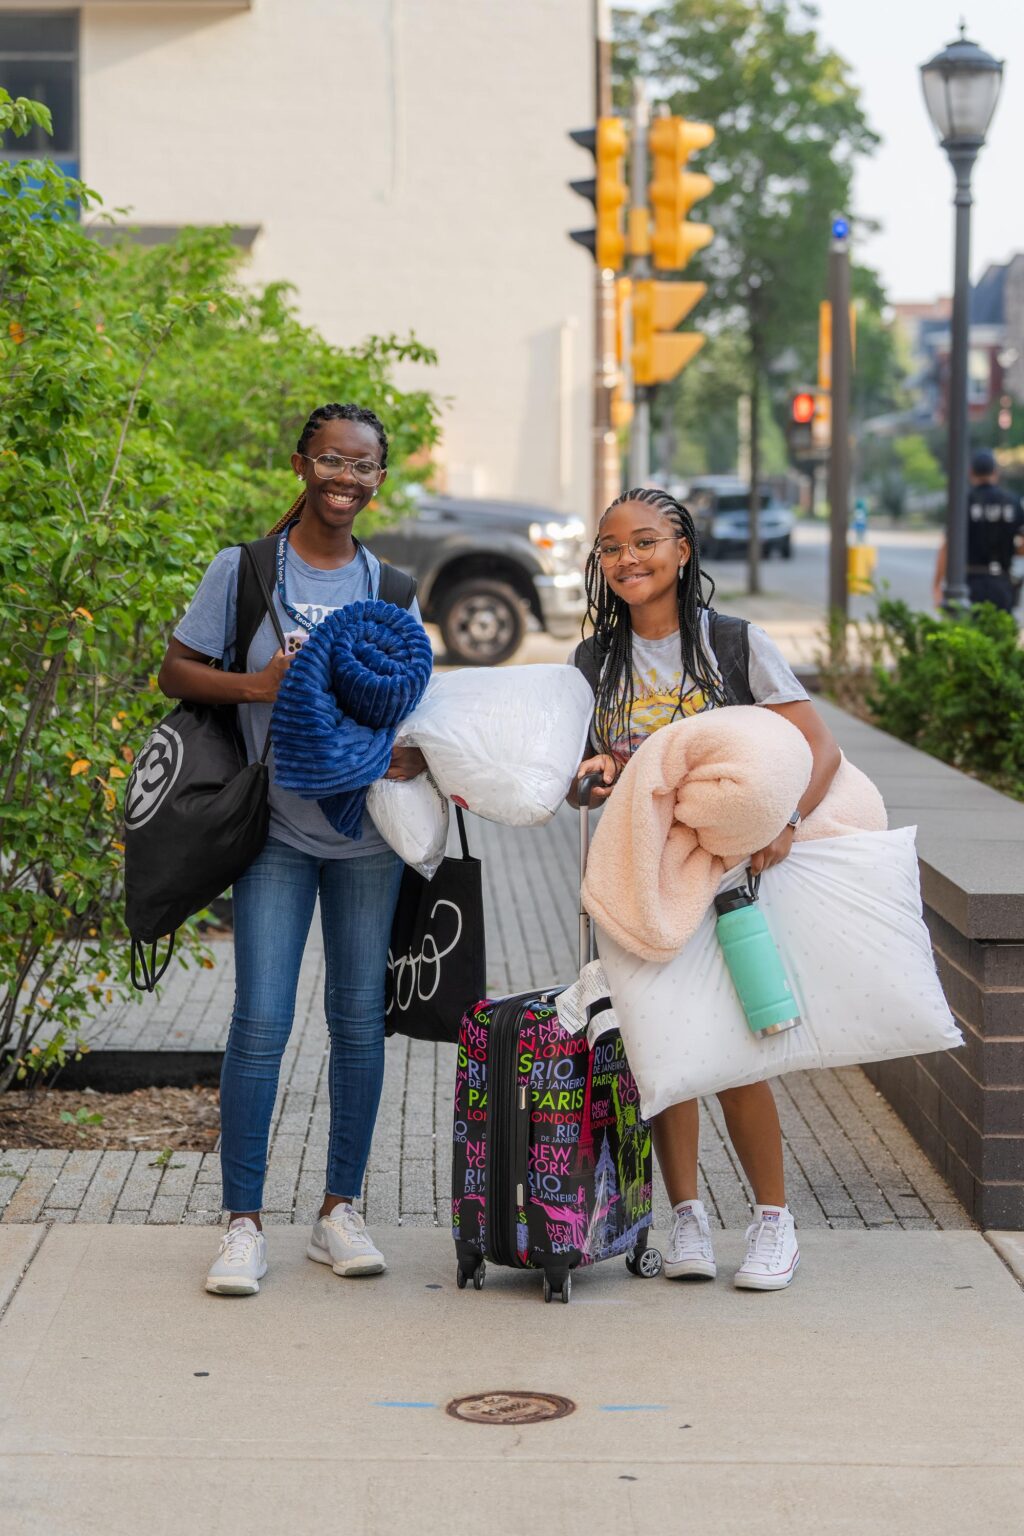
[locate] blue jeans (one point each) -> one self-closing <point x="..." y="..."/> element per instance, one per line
<point x="273" y="908"/>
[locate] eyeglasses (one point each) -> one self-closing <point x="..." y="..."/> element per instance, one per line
<point x="643" y="549"/>
<point x="328" y="466"/>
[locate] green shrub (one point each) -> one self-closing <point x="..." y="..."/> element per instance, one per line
<point x="150" y="404"/>
<point x="953" y="686"/>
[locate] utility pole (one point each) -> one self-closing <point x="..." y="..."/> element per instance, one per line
<point x="607" y="473"/>
<point x="639" y="268"/>
<point x="839" y="461"/>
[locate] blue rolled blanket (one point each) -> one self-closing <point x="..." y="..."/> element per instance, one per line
<point x="340" y="705"/>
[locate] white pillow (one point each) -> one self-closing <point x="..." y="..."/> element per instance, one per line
<point x="845" y="913"/>
<point x="504" y="742"/>
<point x="412" y="816"/>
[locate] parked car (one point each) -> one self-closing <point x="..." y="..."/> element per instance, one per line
<point x="720" y="505"/>
<point x="484" y="566"/>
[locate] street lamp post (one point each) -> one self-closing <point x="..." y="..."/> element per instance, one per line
<point x="961" y="87"/>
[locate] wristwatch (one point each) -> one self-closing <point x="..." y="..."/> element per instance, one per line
<point x="795" y="820"/>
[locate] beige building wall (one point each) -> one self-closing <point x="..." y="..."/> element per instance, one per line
<point x="406" y="162"/>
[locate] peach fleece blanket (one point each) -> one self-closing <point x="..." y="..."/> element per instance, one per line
<point x="697" y="798"/>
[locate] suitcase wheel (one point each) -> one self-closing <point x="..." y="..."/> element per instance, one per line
<point x="477" y="1274"/>
<point x="645" y="1264"/>
<point x="565" y="1291"/>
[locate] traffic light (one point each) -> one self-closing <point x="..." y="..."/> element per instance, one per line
<point x="673" y="191"/>
<point x="608" y="143"/>
<point x="658" y="352"/>
<point x="802" y="408"/>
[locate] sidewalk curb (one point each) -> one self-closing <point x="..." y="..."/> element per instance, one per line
<point x="1010" y="1248"/>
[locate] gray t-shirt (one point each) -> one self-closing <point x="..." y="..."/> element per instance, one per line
<point x="661" y="694"/>
<point x="209" y="626"/>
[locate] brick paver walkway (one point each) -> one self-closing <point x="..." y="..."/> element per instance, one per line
<point x="850" y="1162"/>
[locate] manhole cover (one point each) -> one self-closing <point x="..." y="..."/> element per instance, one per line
<point x="510" y="1407"/>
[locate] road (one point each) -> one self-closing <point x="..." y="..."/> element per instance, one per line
<point x="906" y="561"/>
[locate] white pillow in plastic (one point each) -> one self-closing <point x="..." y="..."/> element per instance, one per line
<point x="504" y="742"/>
<point x="412" y="816"/>
<point x="845" y="913"/>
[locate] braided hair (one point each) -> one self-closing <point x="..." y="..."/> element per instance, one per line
<point x="613" y="632"/>
<point x="322" y="414"/>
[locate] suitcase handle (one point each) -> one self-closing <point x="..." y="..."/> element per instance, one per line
<point x="585" y="789"/>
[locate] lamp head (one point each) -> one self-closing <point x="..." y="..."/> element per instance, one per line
<point x="961" y="87"/>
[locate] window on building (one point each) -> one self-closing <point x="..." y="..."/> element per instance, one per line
<point x="39" y="59"/>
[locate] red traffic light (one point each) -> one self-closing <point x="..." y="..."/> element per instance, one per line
<point x="803" y="408"/>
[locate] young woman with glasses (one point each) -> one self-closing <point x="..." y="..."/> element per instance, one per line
<point x="341" y="458"/>
<point x="654" y="662"/>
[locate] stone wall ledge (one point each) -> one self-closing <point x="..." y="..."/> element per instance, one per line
<point x="965" y="1107"/>
<point x="970" y="838"/>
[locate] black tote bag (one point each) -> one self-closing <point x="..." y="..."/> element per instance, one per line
<point x="436" y="961"/>
<point x="195" y="817"/>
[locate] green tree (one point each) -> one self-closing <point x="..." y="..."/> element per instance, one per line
<point x="118" y="485"/>
<point x="789" y="127"/>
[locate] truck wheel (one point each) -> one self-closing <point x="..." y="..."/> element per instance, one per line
<point x="482" y="623"/>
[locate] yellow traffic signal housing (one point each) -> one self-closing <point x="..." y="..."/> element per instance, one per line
<point x="607" y="191"/>
<point x="673" y="191"/>
<point x="623" y="300"/>
<point x="659" y="353"/>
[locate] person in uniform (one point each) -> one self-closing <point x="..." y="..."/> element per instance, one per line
<point x="995" y="532"/>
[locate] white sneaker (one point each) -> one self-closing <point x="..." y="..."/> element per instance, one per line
<point x="341" y="1240"/>
<point x="689" y="1251"/>
<point x="772" y="1252"/>
<point x="241" y="1261"/>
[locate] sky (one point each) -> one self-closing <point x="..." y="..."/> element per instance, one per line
<point x="907" y="185"/>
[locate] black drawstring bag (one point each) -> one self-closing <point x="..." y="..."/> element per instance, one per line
<point x="195" y="813"/>
<point x="436" y="961"/>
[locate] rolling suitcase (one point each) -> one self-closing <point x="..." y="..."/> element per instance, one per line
<point x="551" y="1166"/>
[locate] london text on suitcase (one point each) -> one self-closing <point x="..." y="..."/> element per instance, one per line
<point x="551" y="1166"/>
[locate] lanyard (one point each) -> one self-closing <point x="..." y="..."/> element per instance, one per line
<point x="300" y="618"/>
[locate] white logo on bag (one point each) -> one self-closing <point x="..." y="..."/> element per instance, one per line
<point x="156" y="768"/>
<point x="410" y="973"/>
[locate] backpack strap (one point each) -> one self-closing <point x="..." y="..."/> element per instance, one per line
<point x="396" y="586"/>
<point x="256" y="577"/>
<point x="588" y="658"/>
<point x="730" y="641"/>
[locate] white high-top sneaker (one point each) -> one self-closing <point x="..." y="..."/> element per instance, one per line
<point x="241" y="1260"/>
<point x="772" y="1252"/>
<point x="341" y="1240"/>
<point x="690" y="1254"/>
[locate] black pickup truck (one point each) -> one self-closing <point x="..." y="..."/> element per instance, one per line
<point x="484" y="566"/>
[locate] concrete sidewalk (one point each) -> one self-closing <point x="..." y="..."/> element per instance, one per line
<point x="880" y="1394"/>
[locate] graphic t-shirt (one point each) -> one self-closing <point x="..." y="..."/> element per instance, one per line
<point x="209" y="626"/>
<point x="661" y="693"/>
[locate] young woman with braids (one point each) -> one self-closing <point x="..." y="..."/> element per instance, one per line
<point x="341" y="458"/>
<point x="652" y="654"/>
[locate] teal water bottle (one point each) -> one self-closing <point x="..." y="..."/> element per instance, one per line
<point x="754" y="962"/>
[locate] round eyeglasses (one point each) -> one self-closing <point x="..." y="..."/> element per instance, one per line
<point x="641" y="549"/>
<point x="328" y="466"/>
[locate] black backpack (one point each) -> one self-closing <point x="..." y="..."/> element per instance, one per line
<point x="730" y="641"/>
<point x="195" y="812"/>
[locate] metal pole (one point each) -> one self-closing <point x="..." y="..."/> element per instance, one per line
<point x="606" y="470"/>
<point x="955" y="592"/>
<point x="639" y="268"/>
<point x="839" y="461"/>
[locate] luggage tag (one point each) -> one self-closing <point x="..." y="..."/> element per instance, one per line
<point x="587" y="1005"/>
